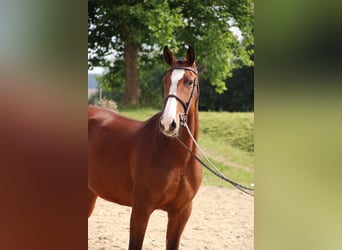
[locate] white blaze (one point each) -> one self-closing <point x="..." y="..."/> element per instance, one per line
<point x="171" y="104"/>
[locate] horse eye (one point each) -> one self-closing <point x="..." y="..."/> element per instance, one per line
<point x="190" y="82"/>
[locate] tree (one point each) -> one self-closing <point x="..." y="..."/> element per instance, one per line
<point x="238" y="98"/>
<point x="138" y="30"/>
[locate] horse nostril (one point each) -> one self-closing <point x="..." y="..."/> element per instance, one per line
<point x="173" y="125"/>
<point x="161" y="125"/>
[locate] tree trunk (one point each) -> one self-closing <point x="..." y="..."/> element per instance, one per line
<point x="132" y="86"/>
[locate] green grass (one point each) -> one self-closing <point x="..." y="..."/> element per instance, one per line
<point x="226" y="138"/>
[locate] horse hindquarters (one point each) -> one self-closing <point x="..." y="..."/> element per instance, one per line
<point x="91" y="202"/>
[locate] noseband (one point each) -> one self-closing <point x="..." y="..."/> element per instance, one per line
<point x="186" y="105"/>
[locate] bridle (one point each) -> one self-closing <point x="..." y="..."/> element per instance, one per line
<point x="186" y="105"/>
<point x="183" y="122"/>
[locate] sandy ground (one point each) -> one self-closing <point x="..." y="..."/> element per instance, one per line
<point x="222" y="218"/>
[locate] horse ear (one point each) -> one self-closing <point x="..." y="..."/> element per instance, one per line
<point x="190" y="55"/>
<point x="168" y="56"/>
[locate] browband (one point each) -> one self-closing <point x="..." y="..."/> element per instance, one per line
<point x="186" y="68"/>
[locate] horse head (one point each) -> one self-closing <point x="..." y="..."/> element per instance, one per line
<point x="180" y="91"/>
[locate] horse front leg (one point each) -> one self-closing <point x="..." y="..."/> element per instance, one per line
<point x="139" y="220"/>
<point x="176" y="225"/>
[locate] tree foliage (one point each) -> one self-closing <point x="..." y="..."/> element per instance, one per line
<point x="207" y="25"/>
<point x="111" y="24"/>
<point x="238" y="98"/>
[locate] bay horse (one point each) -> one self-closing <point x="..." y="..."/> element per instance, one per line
<point x="142" y="164"/>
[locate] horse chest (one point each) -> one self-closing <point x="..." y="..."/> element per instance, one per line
<point x="164" y="185"/>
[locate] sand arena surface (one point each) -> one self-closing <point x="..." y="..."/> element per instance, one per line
<point x="221" y="218"/>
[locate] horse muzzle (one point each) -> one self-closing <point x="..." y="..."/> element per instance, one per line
<point x="169" y="127"/>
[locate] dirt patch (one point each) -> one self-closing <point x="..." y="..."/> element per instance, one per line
<point x="222" y="218"/>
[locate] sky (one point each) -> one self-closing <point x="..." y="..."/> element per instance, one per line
<point x="97" y="70"/>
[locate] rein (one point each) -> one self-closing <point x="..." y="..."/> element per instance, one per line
<point x="212" y="168"/>
<point x="183" y="122"/>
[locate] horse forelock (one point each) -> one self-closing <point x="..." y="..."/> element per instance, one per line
<point x="182" y="61"/>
